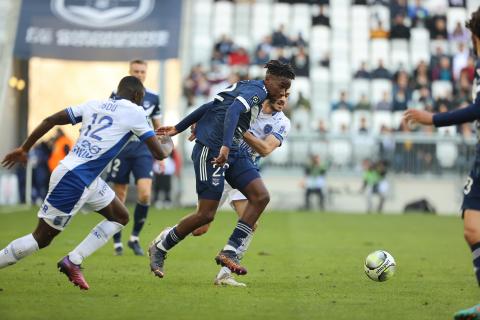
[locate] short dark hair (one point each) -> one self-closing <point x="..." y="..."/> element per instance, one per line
<point x="277" y="68"/>
<point x="474" y="23"/>
<point x="129" y="86"/>
<point x="138" y="61"/>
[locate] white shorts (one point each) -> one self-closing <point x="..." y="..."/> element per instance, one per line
<point x="229" y="194"/>
<point x="67" y="194"/>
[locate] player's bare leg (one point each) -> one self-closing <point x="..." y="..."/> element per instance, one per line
<point x="121" y="191"/>
<point x="116" y="215"/>
<point x="471" y="230"/>
<point x="157" y="251"/>
<point x="258" y="198"/>
<point x="144" y="192"/>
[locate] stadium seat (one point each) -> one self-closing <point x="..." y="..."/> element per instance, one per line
<point x="301" y="20"/>
<point x="382" y="13"/>
<point x="399" y="55"/>
<point x="241" y="26"/>
<point x="363" y="147"/>
<point x="281" y="154"/>
<point x="281" y="15"/>
<point x="381" y="118"/>
<point x="397" y="119"/>
<point x="340" y="151"/>
<point x="443" y="44"/>
<point x="319" y="43"/>
<point x="359" y="53"/>
<point x="419" y="46"/>
<point x="255" y="71"/>
<point x="222" y="19"/>
<point x="201" y="50"/>
<point x="339" y="118"/>
<point x="359" y="87"/>
<point x="472" y="5"/>
<point x="320" y="148"/>
<point x="378" y="87"/>
<point x="261" y="23"/>
<point x="455" y="15"/>
<point x="201" y="22"/>
<point x="339" y="17"/>
<point x="441" y="89"/>
<point x="449" y="131"/>
<point x="301" y="120"/>
<point x="357" y="118"/>
<point x="380" y="50"/>
<point x="301" y="84"/>
<point x="301" y="150"/>
<point x="446" y="153"/>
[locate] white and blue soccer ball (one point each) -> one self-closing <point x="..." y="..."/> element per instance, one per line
<point x="380" y="265"/>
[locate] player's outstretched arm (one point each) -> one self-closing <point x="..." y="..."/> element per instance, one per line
<point x="458" y="116"/>
<point x="19" y="155"/>
<point x="160" y="146"/>
<point x="192" y="118"/>
<point x="262" y="147"/>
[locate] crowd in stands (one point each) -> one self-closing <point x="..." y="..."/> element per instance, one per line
<point x="411" y="87"/>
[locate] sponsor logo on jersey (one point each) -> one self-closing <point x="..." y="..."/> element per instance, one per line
<point x="267" y="129"/>
<point x="101" y="13"/>
<point x="256" y="99"/>
<point x="84" y="149"/>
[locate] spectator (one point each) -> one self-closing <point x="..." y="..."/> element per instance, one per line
<point x="303" y="102"/>
<point x="325" y="60"/>
<point x="459" y="34"/>
<point x="360" y="2"/>
<point x="379" y="32"/>
<point x="399" y="30"/>
<point x="421" y="75"/>
<point x="263" y="51"/>
<point x="438" y="28"/>
<point x="239" y="57"/>
<point x="381" y="72"/>
<point x="460" y="60"/>
<point x="463" y="89"/>
<point x="363" y="103"/>
<point x="362" y="73"/>
<point x="315" y="182"/>
<point x="163" y="170"/>
<point x="371" y="180"/>
<point x="224" y="46"/>
<point x="469" y="69"/>
<point x="418" y="14"/>
<point x="435" y="59"/>
<point x="280" y="53"/>
<point x="363" y="128"/>
<point x="261" y="57"/>
<point x="421" y="98"/>
<point x="385" y="104"/>
<point x="300" y="63"/>
<point x="279" y="39"/>
<point x="342" y="103"/>
<point x="62" y="145"/>
<point x="398" y="7"/>
<point x="298" y="41"/>
<point x="322" y="128"/>
<point x="321" y="19"/>
<point x="400" y="99"/>
<point x="442" y="71"/>
<point x="443" y="104"/>
<point x="38" y="157"/>
<point x="217" y="58"/>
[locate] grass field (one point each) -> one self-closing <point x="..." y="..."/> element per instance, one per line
<point x="301" y="266"/>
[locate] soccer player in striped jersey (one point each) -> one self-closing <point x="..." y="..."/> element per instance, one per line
<point x="75" y="182"/>
<point x="471" y="191"/>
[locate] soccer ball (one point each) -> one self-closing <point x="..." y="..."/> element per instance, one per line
<point x="380" y="265"/>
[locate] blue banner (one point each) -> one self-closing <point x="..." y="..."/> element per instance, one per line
<point x="105" y="30"/>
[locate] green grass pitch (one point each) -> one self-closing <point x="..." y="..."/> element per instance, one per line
<point x="301" y="266"/>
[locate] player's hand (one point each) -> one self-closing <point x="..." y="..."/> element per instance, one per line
<point x="166" y="131"/>
<point x="192" y="135"/>
<point x="222" y="158"/>
<point x="418" y="116"/>
<point x="18" y="155"/>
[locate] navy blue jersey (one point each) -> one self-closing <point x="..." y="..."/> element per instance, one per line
<point x="151" y="104"/>
<point x="210" y="127"/>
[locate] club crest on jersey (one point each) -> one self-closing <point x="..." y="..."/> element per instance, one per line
<point x="146" y="105"/>
<point x="267" y="129"/>
<point x="101" y="13"/>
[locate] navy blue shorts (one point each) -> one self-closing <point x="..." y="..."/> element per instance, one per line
<point x="134" y="158"/>
<point x="210" y="179"/>
<point x="471" y="190"/>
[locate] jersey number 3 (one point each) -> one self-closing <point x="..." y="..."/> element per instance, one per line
<point x="105" y="120"/>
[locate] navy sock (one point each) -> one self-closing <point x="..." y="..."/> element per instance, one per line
<point x="117" y="237"/>
<point x="476" y="260"/>
<point x="172" y="239"/>
<point x="139" y="217"/>
<point x="240" y="233"/>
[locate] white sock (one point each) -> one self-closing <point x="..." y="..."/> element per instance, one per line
<point x="223" y="271"/>
<point x="18" y="249"/>
<point x="99" y="236"/>
<point x="117" y="245"/>
<point x="244" y="246"/>
<point x="134" y="238"/>
<point x="229" y="248"/>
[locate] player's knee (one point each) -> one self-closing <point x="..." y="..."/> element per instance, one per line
<point x="42" y="240"/>
<point x="144" y="197"/>
<point x="471" y="234"/>
<point x="261" y="199"/>
<point x="122" y="217"/>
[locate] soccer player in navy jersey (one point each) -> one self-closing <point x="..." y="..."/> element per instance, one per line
<point x="135" y="158"/>
<point x="471" y="199"/>
<point x="217" y="156"/>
